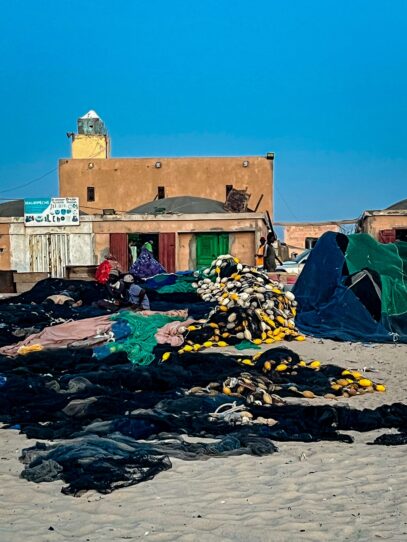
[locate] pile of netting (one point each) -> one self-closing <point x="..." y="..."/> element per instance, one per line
<point x="249" y="306"/>
<point x="116" y="424"/>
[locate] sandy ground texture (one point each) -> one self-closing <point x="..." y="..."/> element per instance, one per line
<point x="325" y="491"/>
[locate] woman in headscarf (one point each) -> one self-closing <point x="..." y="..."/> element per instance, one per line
<point x="146" y="265"/>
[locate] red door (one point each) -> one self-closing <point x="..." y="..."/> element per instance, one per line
<point x="387" y="236"/>
<point x="119" y="248"/>
<point x="166" y="250"/>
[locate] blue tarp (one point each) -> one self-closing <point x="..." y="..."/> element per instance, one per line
<point x="329" y="308"/>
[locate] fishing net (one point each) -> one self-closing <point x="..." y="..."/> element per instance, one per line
<point x="389" y="261"/>
<point x="354" y="289"/>
<point x="139" y="345"/>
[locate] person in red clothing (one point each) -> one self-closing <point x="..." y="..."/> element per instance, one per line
<point x="103" y="269"/>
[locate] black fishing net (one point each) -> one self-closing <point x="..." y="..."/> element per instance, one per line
<point x="118" y="424"/>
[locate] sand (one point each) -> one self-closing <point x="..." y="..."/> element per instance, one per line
<point x="325" y="491"/>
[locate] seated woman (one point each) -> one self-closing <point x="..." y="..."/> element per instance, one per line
<point x="136" y="296"/>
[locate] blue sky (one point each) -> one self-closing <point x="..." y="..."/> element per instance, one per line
<point x="322" y="83"/>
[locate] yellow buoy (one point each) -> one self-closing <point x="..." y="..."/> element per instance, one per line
<point x="281" y="367"/>
<point x="166" y="356"/>
<point x="207" y="344"/>
<point x="267" y="366"/>
<point x="315" y="364"/>
<point x="365" y="382"/>
<point x="222" y="343"/>
<point x="380" y="387"/>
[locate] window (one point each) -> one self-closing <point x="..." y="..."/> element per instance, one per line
<point x="161" y="192"/>
<point x="91" y="193"/>
<point x="310" y="242"/>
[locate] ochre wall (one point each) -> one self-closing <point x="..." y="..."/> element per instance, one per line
<point x="125" y="183"/>
<point x="5" y="246"/>
<point x="242" y="235"/>
<point x="242" y="246"/>
<point x="294" y="236"/>
<point x="373" y="224"/>
<point x="86" y="146"/>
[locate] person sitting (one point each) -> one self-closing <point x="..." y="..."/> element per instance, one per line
<point x="136" y="295"/>
<point x="68" y="297"/>
<point x="115" y="288"/>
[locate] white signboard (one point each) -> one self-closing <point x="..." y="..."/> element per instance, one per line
<point x="51" y="212"/>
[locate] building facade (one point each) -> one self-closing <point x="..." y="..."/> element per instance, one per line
<point x="122" y="184"/>
<point x="299" y="237"/>
<point x="180" y="242"/>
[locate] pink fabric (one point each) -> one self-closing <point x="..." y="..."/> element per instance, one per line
<point x="170" y="333"/>
<point x="64" y="334"/>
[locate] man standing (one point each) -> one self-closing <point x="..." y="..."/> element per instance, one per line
<point x="260" y="253"/>
<point x="270" y="255"/>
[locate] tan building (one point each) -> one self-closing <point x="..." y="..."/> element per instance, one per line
<point x="122" y="184"/>
<point x="388" y="225"/>
<point x="181" y="241"/>
<point x="299" y="237"/>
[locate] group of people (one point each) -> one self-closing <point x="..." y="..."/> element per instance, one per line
<point x="266" y="255"/>
<point x="124" y="291"/>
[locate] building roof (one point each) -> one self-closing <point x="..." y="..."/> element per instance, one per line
<point x="180" y="205"/>
<point x="90" y="115"/>
<point x="12" y="208"/>
<point x="15" y="208"/>
<point x="399" y="206"/>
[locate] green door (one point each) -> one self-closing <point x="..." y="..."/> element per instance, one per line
<point x="209" y="246"/>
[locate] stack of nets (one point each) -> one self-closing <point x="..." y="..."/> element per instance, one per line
<point x="250" y="306"/>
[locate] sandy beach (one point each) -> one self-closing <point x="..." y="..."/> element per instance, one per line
<point x="321" y="491"/>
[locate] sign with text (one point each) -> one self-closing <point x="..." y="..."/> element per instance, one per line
<point x="51" y="212"/>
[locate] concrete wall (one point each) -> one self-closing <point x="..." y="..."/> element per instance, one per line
<point x="4" y="247"/>
<point x="243" y="231"/>
<point x="90" y="146"/>
<point x="295" y="235"/>
<point x="89" y="242"/>
<point x="125" y="183"/>
<point x="81" y="244"/>
<point x="373" y="224"/>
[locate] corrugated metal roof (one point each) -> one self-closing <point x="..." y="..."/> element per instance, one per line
<point x="12" y="208"/>
<point x="15" y="208"/>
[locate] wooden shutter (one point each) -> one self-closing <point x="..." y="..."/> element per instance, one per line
<point x="166" y="251"/>
<point x="119" y="248"/>
<point x="387" y="236"/>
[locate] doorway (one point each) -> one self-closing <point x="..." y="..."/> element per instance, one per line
<point x="209" y="246"/>
<point x="126" y="248"/>
<point x="137" y="240"/>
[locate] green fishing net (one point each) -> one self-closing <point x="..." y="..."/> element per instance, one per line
<point x="141" y="342"/>
<point x="389" y="261"/>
